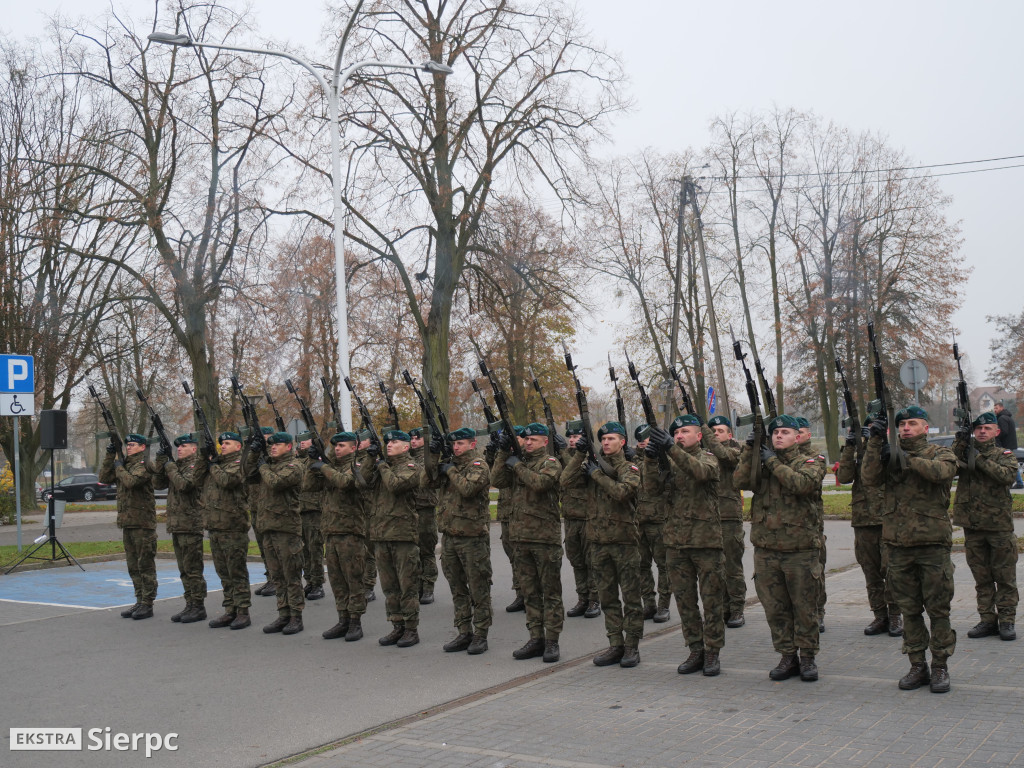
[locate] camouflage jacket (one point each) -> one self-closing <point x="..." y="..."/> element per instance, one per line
<point x="652" y="499"/>
<point x="425" y="495"/>
<point x="312" y="488"/>
<point x="808" y="451"/>
<point x="784" y="512"/>
<point x="277" y="507"/>
<point x="691" y="494"/>
<point x="730" y="500"/>
<point x="464" y="500"/>
<point x="225" y="506"/>
<point x="865" y="503"/>
<point x="393" y="515"/>
<point x="983" y="499"/>
<point x="915" y="510"/>
<point x="184" y="480"/>
<point x="344" y="510"/>
<point x="611" y="514"/>
<point x="136" y="505"/>
<point x="576" y="492"/>
<point x="504" y="508"/>
<point x="534" y="486"/>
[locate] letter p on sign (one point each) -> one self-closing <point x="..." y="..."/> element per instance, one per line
<point x="17" y="374"/>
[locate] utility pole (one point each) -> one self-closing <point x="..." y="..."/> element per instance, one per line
<point x="676" y="289"/>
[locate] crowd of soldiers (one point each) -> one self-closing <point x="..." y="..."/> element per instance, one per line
<point x="671" y="504"/>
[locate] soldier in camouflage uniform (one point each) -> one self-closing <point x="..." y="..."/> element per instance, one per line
<point x="226" y="514"/>
<point x="394" y="531"/>
<point x="184" y="479"/>
<point x="693" y="540"/>
<point x="917" y="531"/>
<point x="136" y="517"/>
<point x="535" y="533"/>
<point x="504" y="513"/>
<point x="718" y="439"/>
<point x="651" y="509"/>
<point x="310" y="504"/>
<point x="426" y="515"/>
<point x="252" y="493"/>
<point x="803" y="440"/>
<point x="362" y="457"/>
<point x="872" y="556"/>
<point x="983" y="506"/>
<point x="786" y="534"/>
<point x="278" y="478"/>
<point x="465" y="505"/>
<point x="344" y="528"/>
<point x="576" y="497"/>
<point x="614" y="541"/>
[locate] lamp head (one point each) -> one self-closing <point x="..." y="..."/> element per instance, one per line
<point x="166" y="38"/>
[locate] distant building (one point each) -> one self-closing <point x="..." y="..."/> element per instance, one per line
<point x="984" y="399"/>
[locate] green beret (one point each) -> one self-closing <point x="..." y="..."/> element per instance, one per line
<point x="642" y="432"/>
<point x="802" y="423"/>
<point x="188" y="437"/>
<point x="363" y="434"/>
<point x="535" y="429"/>
<point x="417" y="432"/>
<point x="462" y="433"/>
<point x="611" y="428"/>
<point x="268" y="431"/>
<point x="279" y="437"/>
<point x="912" y="412"/>
<point x="344" y="437"/>
<point x="519" y="430"/>
<point x="229" y="436"/>
<point x="135" y="437"/>
<point x="719" y="421"/>
<point x="573" y="428"/>
<point x="686" y="420"/>
<point x="395" y="434"/>
<point x="985" y="418"/>
<point x="783" y="421"/>
<point x="307" y="435"/>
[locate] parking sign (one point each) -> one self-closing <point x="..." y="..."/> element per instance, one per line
<point x="17" y="385"/>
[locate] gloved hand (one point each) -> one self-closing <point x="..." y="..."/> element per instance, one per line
<point x="629" y="452"/>
<point x="766" y="453"/>
<point x="261" y="460"/>
<point x="489" y="451"/>
<point x="560" y="443"/>
<point x="750" y="440"/>
<point x="591" y="467"/>
<point x="213" y="458"/>
<point x="436" y="444"/>
<point x="511" y="461"/>
<point x="316" y="466"/>
<point x="505" y="441"/>
<point x="118" y="463"/>
<point x="865" y="432"/>
<point x="445" y="468"/>
<point x="494" y="439"/>
<point x="879" y="428"/>
<point x="256" y="444"/>
<point x="373" y="450"/>
<point x="661" y="438"/>
<point x="885" y="454"/>
<point x="163" y="451"/>
<point x="111" y="448"/>
<point x="851" y="438"/>
<point x="582" y="445"/>
<point x="651" y="451"/>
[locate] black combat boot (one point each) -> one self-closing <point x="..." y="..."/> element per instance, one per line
<point x="694" y="663"/>
<point x="370" y="595"/>
<point x="260" y="588"/>
<point x="394" y="635"/>
<point x="712" y="664"/>
<point x="808" y="669"/>
<point x="983" y="629"/>
<point x="428" y="595"/>
<point x="196" y="613"/>
<point x="459" y="643"/>
<point x="661" y="615"/>
<point x="277" y="625"/>
<point x="477" y="645"/>
<point x="551" y="652"/>
<point x="241" y="620"/>
<point x="735" y="620"/>
<point x="578" y="609"/>
<point x="224" y="620"/>
<point x="896" y="625"/>
<point x="516" y="605"/>
<point x="1006" y="631"/>
<point x="940" y="678"/>
<point x="593" y="610"/>
<point x="177" y="617"/>
<point x="144" y="611"/>
<point x="916" y="677"/>
<point x="355" y="629"/>
<point x="316" y="593"/>
<point x="788" y="666"/>
<point x="338" y="630"/>
<point x="821" y="625"/>
<point x="294" y="625"/>
<point x="649" y="610"/>
<point x="269" y="590"/>
<point x="630" y="656"/>
<point x="127" y="612"/>
<point x="611" y="655"/>
<point x="878" y="626"/>
<point x="534" y="647"/>
<point x="409" y="638"/>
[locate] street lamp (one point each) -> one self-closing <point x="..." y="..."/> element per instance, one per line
<point x="332" y="92"/>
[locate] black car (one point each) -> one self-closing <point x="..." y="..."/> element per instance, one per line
<point x="82" y="488"/>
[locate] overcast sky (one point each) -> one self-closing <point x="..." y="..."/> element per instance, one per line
<point x="941" y="80"/>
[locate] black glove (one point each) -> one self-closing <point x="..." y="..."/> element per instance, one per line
<point x="865" y="432"/>
<point x="878" y="428"/>
<point x="766" y="453"/>
<point x="373" y="450"/>
<point x="316" y="466"/>
<point x="489" y="451"/>
<point x="886" y="453"/>
<point x="560" y="443"/>
<point x="445" y="468"/>
<point x="511" y="461"/>
<point x="111" y="448"/>
<point x="750" y="440"/>
<point x="582" y="445"/>
<point x="256" y="444"/>
<point x="629" y="452"/>
<point x="163" y="451"/>
<point x="118" y="463"/>
<point x="591" y="467"/>
<point x="505" y="441"/>
<point x="212" y="458"/>
<point x="661" y="438"/>
<point x="851" y="438"/>
<point x="494" y="439"/>
<point x="436" y="444"/>
<point x="651" y="451"/>
<point x="261" y="460"/>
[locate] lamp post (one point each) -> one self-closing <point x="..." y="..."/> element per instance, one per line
<point x="332" y="91"/>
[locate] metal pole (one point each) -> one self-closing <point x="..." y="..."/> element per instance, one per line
<point x="17" y="477"/>
<point x="676" y="288"/>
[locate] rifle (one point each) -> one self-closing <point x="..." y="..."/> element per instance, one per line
<point x="852" y="419"/>
<point x="278" y="421"/>
<point x="307" y="416"/>
<point x="365" y="415"/>
<point x="548" y="416"/>
<point x="249" y="415"/>
<point x="391" y="403"/>
<point x="648" y="407"/>
<point x="687" y="402"/>
<point x="334" y="404"/>
<point x="963" y="409"/>
<point x="209" y="444"/>
<point x="769" y="398"/>
<point x="108" y="419"/>
<point x="507" y="427"/>
<point x="438" y="412"/>
<point x="883" y="401"/>
<point x="755" y="417"/>
<point x="620" y="407"/>
<point x="428" y="414"/>
<point x="584" y="409"/>
<point x="158" y="424"/>
<point x="488" y="413"/>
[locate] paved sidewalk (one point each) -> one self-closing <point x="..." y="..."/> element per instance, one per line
<point x="582" y="716"/>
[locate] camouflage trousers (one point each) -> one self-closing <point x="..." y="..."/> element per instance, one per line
<point x="690" y="571"/>
<point x="188" y="551"/>
<point x="259" y="545"/>
<point x="466" y="562"/>
<point x="788" y="585"/>
<point x="428" y="547"/>
<point x="873" y="558"/>
<point x="992" y="558"/>
<point x="346" y="568"/>
<point x="616" y="568"/>
<point x="652" y="550"/>
<point x="579" y="554"/>
<point x="509" y="548"/>
<point x="312" y="548"/>
<point x="922" y="580"/>
<point x="822" y="596"/>
<point x="540" y="579"/>
<point x="282" y="552"/>
<point x="370" y="574"/>
<point x="229" y="550"/>
<point x="398" y="563"/>
<point x="734" y="544"/>
<point x="140" y="552"/>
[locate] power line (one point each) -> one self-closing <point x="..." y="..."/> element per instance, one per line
<point x="890" y="170"/>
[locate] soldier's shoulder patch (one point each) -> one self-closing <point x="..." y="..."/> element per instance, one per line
<point x="810" y="461"/>
<point x="191" y="466"/>
<point x="552" y="458"/>
<point x="821" y="457"/>
<point x="477" y="463"/>
<point x="634" y="468"/>
<point x="410" y="464"/>
<point x="238" y="461"/>
<point x="1007" y="453"/>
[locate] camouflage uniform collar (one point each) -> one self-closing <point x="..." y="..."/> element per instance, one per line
<point x="542" y="451"/>
<point x="914" y="443"/>
<point x="989" y="447"/>
<point x="471" y="455"/>
<point x="693" y="450"/>
<point x="787" y="454"/>
<point x="417" y="453"/>
<point x="282" y="457"/>
<point x="344" y="461"/>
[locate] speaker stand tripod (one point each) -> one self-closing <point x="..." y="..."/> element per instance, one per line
<point x="50" y="537"/>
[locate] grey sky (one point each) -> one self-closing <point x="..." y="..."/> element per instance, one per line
<point x="940" y="79"/>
